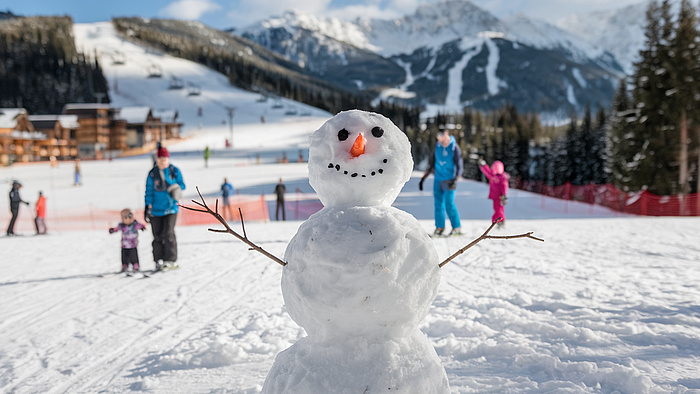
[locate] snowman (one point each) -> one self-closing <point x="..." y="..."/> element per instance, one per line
<point x="360" y="275"/>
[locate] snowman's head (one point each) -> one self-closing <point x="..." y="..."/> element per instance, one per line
<point x="359" y="158"/>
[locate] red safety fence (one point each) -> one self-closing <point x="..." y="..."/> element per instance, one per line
<point x="253" y="208"/>
<point x="299" y="206"/>
<point x="607" y="195"/>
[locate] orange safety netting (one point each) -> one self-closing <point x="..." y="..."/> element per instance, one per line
<point x="607" y="195"/>
<point x="253" y="208"/>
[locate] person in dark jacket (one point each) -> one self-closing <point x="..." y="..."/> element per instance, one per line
<point x="280" y="189"/>
<point x="164" y="186"/>
<point x="447" y="165"/>
<point x="15" y="200"/>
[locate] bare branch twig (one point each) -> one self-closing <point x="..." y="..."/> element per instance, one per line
<point x="228" y="229"/>
<point x="486" y="236"/>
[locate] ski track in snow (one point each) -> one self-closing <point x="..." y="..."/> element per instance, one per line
<point x="602" y="305"/>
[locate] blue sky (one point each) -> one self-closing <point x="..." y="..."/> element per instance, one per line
<point x="240" y="13"/>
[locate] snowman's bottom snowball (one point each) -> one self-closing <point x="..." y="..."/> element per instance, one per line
<point x="404" y="365"/>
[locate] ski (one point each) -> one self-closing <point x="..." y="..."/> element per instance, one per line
<point x="149" y="273"/>
<point x="445" y="235"/>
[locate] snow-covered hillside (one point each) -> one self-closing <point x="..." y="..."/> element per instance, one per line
<point x="129" y="69"/>
<point x="608" y="303"/>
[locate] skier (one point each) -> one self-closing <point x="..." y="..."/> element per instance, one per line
<point x="498" y="188"/>
<point x="207" y="155"/>
<point x="447" y="164"/>
<point x="15" y="199"/>
<point x="130" y="239"/>
<point x="39" y="221"/>
<point x="280" y="189"/>
<point x="164" y="186"/>
<point x="226" y="192"/>
<point x="76" y="180"/>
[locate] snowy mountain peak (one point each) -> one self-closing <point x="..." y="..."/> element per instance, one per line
<point x="346" y="32"/>
<point x="430" y="26"/>
<point x="621" y="31"/>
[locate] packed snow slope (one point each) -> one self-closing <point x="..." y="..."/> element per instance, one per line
<point x="606" y="304"/>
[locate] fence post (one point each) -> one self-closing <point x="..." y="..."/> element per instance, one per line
<point x="266" y="213"/>
<point x="92" y="217"/>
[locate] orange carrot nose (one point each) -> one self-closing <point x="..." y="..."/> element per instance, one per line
<point x="358" y="147"/>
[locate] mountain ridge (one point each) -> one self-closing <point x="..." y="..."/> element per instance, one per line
<point x="584" y="75"/>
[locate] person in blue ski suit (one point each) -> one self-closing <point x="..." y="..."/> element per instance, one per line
<point x="226" y="192"/>
<point x="164" y="186"/>
<point x="447" y="165"/>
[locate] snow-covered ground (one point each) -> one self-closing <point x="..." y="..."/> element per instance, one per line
<point x="608" y="303"/>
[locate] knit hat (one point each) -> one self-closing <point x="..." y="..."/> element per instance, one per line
<point x="162" y="152"/>
<point x="497" y="167"/>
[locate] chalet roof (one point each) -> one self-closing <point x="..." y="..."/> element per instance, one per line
<point x="166" y="115"/>
<point x="48" y="121"/>
<point x="8" y="117"/>
<point x="135" y="114"/>
<point x="81" y="106"/>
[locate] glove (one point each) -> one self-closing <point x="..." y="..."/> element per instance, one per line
<point x="147" y="214"/>
<point x="111" y="231"/>
<point x="25" y="203"/>
<point x="482" y="162"/>
<point x="504" y="200"/>
<point x="420" y="185"/>
<point x="452" y="184"/>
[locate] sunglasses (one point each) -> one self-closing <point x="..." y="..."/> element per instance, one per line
<point x="128" y="216"/>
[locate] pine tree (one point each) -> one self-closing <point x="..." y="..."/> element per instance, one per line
<point x="685" y="96"/>
<point x="574" y="152"/>
<point x="598" y="149"/>
<point x="651" y="132"/>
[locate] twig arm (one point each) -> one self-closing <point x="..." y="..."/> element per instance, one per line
<point x="486" y="236"/>
<point x="205" y="209"/>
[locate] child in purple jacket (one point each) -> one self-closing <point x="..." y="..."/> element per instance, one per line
<point x="498" y="188"/>
<point x="130" y="239"/>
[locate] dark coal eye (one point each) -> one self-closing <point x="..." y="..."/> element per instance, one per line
<point x="377" y="132"/>
<point x="343" y="135"/>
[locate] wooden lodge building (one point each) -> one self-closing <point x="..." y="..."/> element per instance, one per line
<point x="90" y="131"/>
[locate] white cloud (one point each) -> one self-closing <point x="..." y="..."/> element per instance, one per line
<point x="250" y="11"/>
<point x="188" y="9"/>
<point x="364" y="11"/>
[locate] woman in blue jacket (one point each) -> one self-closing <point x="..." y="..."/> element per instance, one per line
<point x="164" y="186"/>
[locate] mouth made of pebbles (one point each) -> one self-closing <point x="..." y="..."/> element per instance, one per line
<point x="354" y="174"/>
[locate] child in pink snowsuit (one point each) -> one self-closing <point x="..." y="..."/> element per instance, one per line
<point x="498" y="188"/>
